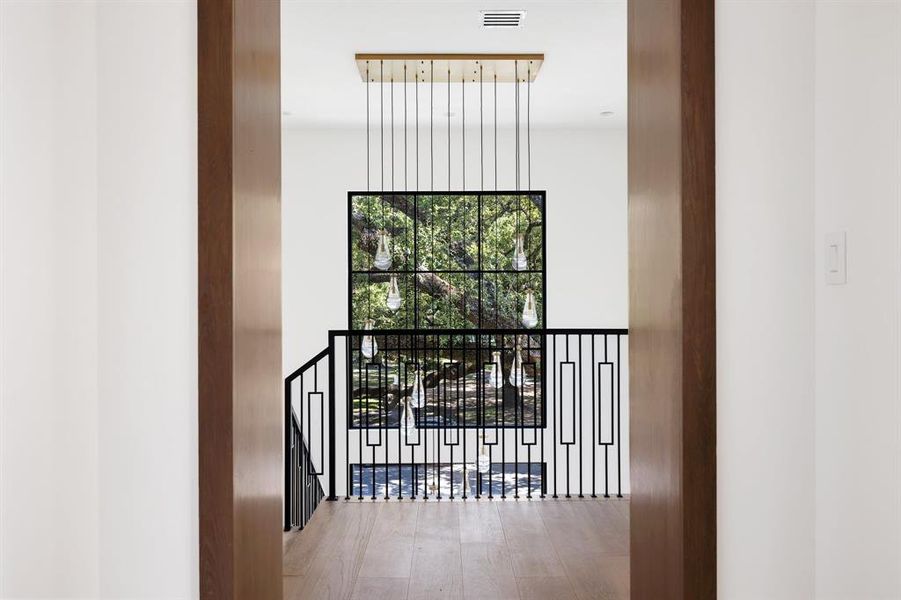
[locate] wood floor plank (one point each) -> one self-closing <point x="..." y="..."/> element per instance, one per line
<point x="480" y="521"/>
<point x="527" y="540"/>
<point x="535" y="557"/>
<point x="380" y="588"/>
<point x="555" y="549"/>
<point x="611" y="525"/>
<point x="486" y="560"/>
<point x="598" y="577"/>
<point x="335" y="529"/>
<point x="389" y="552"/>
<point x="607" y="517"/>
<point x="438" y="586"/>
<point x="488" y="571"/>
<point x="521" y="519"/>
<point x="293" y="587"/>
<point x="572" y="530"/>
<point x="490" y="588"/>
<point x="334" y="563"/>
<point x="336" y="584"/>
<point x="396" y="520"/>
<point x="438" y="522"/>
<point x="545" y="588"/>
<point x="436" y="557"/>
<point x="392" y="558"/>
<point x="622" y="505"/>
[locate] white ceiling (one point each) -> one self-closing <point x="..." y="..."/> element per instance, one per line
<point x="584" y="73"/>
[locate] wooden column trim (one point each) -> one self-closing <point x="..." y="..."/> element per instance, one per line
<point x="239" y="299"/>
<point x="672" y="299"/>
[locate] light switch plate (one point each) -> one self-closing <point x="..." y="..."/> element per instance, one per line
<point x="836" y="259"/>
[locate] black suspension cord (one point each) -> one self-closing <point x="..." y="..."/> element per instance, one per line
<point x="392" y="132"/>
<point x="516" y="125"/>
<point x="529" y="123"/>
<point x="405" y="126"/>
<point x="463" y="127"/>
<point x="448" y="130"/>
<point x="463" y="157"/>
<point x="495" y="130"/>
<point x="516" y="122"/>
<point x="432" y="121"/>
<point x="417" y="130"/>
<point x="481" y="133"/>
<point x="382" y="118"/>
<point x="367" y="126"/>
<point x="497" y="209"/>
<point x="368" y="211"/>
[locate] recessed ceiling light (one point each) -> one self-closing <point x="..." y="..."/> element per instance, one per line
<point x="606" y="113"/>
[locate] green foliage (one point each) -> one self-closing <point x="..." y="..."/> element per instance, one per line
<point x="447" y="253"/>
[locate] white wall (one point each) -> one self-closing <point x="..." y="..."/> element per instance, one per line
<point x="583" y="171"/>
<point x="98" y="473"/>
<point x="48" y="300"/>
<point x="765" y="294"/>
<point x="147" y="299"/>
<point x="858" y="325"/>
<point x="809" y="400"/>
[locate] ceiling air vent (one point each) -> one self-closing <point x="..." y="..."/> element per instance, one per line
<point x="503" y="19"/>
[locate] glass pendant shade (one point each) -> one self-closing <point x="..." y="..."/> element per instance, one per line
<point x="495" y="376"/>
<point x="393" y="300"/>
<point x="382" y="255"/>
<point x="417" y="394"/>
<point x="369" y="347"/>
<point x="520" y="262"/>
<point x="465" y="488"/>
<point x="516" y="374"/>
<point x="407" y="421"/>
<point x="529" y="311"/>
<point x="483" y="461"/>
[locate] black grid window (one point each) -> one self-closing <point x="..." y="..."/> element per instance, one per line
<point x="452" y="256"/>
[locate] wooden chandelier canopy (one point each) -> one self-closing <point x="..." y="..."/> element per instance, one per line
<point x="456" y="67"/>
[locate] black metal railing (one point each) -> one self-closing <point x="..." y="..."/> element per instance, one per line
<point x="303" y="489"/>
<point x="448" y="413"/>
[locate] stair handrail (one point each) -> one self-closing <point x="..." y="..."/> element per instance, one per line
<point x="292" y="422"/>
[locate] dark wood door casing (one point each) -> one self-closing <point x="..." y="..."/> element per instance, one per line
<point x="672" y="300"/>
<point x="239" y="297"/>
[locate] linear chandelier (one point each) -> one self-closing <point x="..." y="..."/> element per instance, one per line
<point x="417" y="70"/>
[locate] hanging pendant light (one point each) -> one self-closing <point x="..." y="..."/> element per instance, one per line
<point x="407" y="421"/>
<point x="529" y="311"/>
<point x="417" y="394"/>
<point x="516" y="375"/>
<point x="483" y="461"/>
<point x="520" y="262"/>
<point x="382" y="255"/>
<point x="465" y="488"/>
<point x="368" y="347"/>
<point x="495" y="375"/>
<point x="393" y="300"/>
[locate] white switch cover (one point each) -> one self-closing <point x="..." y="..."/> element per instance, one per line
<point x="836" y="258"/>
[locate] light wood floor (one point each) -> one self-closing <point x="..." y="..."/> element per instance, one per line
<point x="543" y="549"/>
